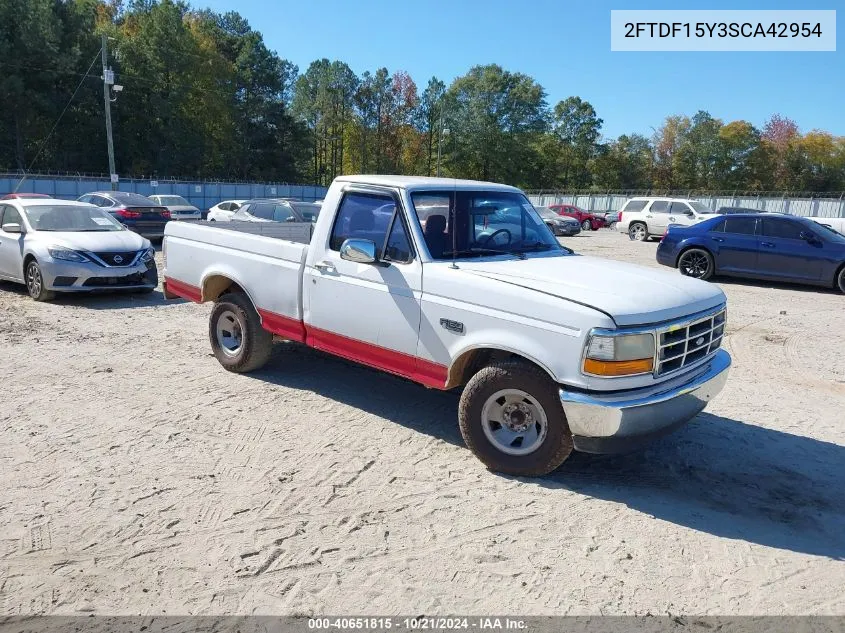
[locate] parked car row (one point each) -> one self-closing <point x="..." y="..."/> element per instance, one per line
<point x="767" y="246"/>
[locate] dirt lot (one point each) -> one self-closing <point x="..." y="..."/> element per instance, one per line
<point x="139" y="477"/>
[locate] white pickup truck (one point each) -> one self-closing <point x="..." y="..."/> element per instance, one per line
<point x="460" y="284"/>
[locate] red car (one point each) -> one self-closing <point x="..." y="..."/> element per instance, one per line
<point x="21" y="196"/>
<point x="587" y="220"/>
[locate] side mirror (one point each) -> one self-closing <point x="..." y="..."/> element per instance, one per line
<point x="358" y="251"/>
<point x="12" y="227"/>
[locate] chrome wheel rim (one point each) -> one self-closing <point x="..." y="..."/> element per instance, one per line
<point x="695" y="264"/>
<point x="637" y="232"/>
<point x="229" y="333"/>
<point x="514" y="422"/>
<point x="33" y="279"/>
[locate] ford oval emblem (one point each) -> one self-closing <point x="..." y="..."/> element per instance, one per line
<point x="117" y="259"/>
<point x="699" y="341"/>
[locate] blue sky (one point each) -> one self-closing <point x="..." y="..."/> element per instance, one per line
<point x="565" y="46"/>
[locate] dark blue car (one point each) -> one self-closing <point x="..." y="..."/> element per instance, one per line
<point x="758" y="246"/>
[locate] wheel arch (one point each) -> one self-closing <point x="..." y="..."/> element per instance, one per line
<point x="471" y="360"/>
<point x="215" y="284"/>
<point x="26" y="259"/>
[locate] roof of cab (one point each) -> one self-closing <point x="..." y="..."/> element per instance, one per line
<point x="424" y="183"/>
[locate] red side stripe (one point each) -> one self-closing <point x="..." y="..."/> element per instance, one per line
<point x="417" y="369"/>
<point x="286" y="327"/>
<point x="180" y="288"/>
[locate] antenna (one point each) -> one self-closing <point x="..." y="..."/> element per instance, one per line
<point x="454" y="223"/>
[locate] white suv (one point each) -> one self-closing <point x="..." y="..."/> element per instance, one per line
<point x="642" y="218"/>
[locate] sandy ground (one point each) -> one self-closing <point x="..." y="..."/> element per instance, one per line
<point x="138" y="477"/>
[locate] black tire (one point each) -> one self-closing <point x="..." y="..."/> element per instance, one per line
<point x="256" y="343"/>
<point x="637" y="235"/>
<point x="586" y="225"/>
<point x="551" y="452"/>
<point x="840" y="279"/>
<point x="696" y="263"/>
<point x="35" y="282"/>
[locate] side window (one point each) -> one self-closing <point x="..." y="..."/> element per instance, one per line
<point x="85" y="198"/>
<point x="11" y="216"/>
<point x="282" y="213"/>
<point x="634" y="205"/>
<point x="659" y="206"/>
<point x="740" y="226"/>
<point x="364" y="216"/>
<point x="398" y="247"/>
<point x="262" y="210"/>
<point x="782" y="228"/>
<point x="679" y="207"/>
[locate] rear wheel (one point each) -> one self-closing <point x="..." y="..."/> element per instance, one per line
<point x="512" y="420"/>
<point x="586" y="226"/>
<point x="35" y="283"/>
<point x="638" y="232"/>
<point x="239" y="342"/>
<point x="840" y="280"/>
<point x="697" y="263"/>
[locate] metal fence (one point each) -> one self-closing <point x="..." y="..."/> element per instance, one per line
<point x="808" y="204"/>
<point x="202" y="194"/>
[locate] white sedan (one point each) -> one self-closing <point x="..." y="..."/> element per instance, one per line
<point x="223" y="211"/>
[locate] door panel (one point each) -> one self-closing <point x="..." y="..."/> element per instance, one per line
<point x="790" y="258"/>
<point x="11" y="246"/>
<point x="366" y="312"/>
<point x="679" y="213"/>
<point x="736" y="245"/>
<point x="657" y="217"/>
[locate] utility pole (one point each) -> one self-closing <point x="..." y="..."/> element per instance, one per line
<point x="440" y="137"/>
<point x="108" y="80"/>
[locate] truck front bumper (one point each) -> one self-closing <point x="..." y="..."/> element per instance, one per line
<point x="617" y="422"/>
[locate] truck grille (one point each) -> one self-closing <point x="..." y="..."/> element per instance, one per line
<point x="687" y="343"/>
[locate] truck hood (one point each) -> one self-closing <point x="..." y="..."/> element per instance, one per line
<point x="628" y="293"/>
<point x="95" y="241"/>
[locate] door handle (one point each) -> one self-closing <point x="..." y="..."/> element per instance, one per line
<point x="718" y="239"/>
<point x="767" y="244"/>
<point x="671" y="218"/>
<point x="324" y="266"/>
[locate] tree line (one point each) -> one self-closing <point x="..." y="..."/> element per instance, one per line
<point x="205" y="98"/>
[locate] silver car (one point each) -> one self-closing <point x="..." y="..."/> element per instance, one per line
<point x="180" y="209"/>
<point x="68" y="246"/>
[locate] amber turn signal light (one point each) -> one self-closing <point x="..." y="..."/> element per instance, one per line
<point x="618" y="367"/>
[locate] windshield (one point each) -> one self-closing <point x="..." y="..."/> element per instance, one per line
<point x="131" y="199"/>
<point x="70" y="218"/>
<point x="831" y="233"/>
<point x="700" y="208"/>
<point x="547" y="213"/>
<point x="309" y="211"/>
<point x="174" y="200"/>
<point x="479" y="223"/>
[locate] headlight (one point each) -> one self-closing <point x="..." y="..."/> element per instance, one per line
<point x="148" y="255"/>
<point x="619" y="355"/>
<point x="57" y="252"/>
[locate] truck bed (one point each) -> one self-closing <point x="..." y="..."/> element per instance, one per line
<point x="300" y="232"/>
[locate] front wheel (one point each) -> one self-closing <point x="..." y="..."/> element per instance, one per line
<point x="696" y="263"/>
<point x="841" y="280"/>
<point x="586" y="226"/>
<point x="35" y="283"/>
<point x="237" y="339"/>
<point x="512" y="420"/>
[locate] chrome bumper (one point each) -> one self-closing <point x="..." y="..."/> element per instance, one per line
<point x="621" y="421"/>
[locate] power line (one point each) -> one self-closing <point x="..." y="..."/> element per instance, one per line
<point x="53" y="129"/>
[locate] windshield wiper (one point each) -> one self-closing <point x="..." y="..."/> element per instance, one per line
<point x="476" y="251"/>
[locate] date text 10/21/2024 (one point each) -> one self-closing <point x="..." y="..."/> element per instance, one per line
<point x="420" y="623"/>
